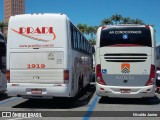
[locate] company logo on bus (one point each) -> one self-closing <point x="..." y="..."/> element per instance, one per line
<point x="125" y="68"/>
<point x="44" y="34"/>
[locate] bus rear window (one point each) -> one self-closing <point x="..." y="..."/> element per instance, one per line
<point x="140" y="36"/>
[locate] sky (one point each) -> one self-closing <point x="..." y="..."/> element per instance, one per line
<point x="92" y="12"/>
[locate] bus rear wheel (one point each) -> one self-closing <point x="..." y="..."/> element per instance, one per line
<point x="80" y="85"/>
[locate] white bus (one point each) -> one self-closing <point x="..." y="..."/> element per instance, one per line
<point x="125" y="61"/>
<point x="3" y="82"/>
<point x="47" y="57"/>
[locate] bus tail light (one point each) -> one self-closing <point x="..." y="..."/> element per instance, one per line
<point x="103" y="27"/>
<point x="8" y="76"/>
<point x="66" y="76"/>
<point x="99" y="78"/>
<point x="151" y="79"/>
<point x="147" y="26"/>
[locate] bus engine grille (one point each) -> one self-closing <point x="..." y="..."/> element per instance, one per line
<point x="125" y="57"/>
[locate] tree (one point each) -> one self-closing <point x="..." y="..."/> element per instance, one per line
<point x="2" y="28"/>
<point x="114" y="19"/>
<point x="82" y="27"/>
<point x="92" y="41"/>
<point x="117" y="18"/>
<point x="138" y="21"/>
<point x="93" y="31"/>
<point x="106" y="22"/>
<point x="90" y="31"/>
<point x="2" y="25"/>
<point x="126" y="20"/>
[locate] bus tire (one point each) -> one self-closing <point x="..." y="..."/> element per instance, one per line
<point x="82" y="83"/>
<point x="79" y="86"/>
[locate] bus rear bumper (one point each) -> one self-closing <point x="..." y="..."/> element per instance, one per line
<point x="38" y="91"/>
<point x="125" y="92"/>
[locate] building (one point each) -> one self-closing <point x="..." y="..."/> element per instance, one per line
<point x="13" y="7"/>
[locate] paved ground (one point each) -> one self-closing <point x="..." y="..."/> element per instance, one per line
<point x="86" y="106"/>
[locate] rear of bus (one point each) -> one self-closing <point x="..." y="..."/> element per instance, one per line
<point x="37" y="49"/>
<point x="125" y="61"/>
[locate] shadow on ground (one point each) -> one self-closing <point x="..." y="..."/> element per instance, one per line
<point x="3" y="96"/>
<point x="138" y="101"/>
<point x="61" y="103"/>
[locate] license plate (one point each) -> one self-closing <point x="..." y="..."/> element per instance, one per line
<point x="125" y="90"/>
<point x="36" y="91"/>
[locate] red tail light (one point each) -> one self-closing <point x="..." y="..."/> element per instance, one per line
<point x="66" y="76"/>
<point x="99" y="75"/>
<point x="147" y="26"/>
<point x="103" y="27"/>
<point x="8" y="76"/>
<point x="151" y="76"/>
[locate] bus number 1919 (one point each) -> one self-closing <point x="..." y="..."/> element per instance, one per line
<point x="34" y="66"/>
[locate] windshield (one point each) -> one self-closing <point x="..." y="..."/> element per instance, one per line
<point x="128" y="36"/>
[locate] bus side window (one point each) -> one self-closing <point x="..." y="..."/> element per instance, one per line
<point x="81" y="42"/>
<point x="72" y="38"/>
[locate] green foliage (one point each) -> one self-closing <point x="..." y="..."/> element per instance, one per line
<point x="137" y="21"/>
<point x="88" y="30"/>
<point x="92" y="41"/>
<point x="82" y="27"/>
<point x="126" y="20"/>
<point x="2" y="26"/>
<point x="106" y="21"/>
<point x="114" y="19"/>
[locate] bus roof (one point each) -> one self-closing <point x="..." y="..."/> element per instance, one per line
<point x="22" y="16"/>
<point x="125" y="25"/>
